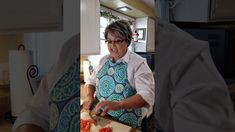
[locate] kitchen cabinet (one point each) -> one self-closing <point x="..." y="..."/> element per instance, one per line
<point x="203" y="11"/>
<point x="150" y="35"/>
<point x="147" y="44"/>
<point x="30" y="15"/>
<point x="47" y="45"/>
<point x="90" y="27"/>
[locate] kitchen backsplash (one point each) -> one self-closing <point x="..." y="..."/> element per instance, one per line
<point x="9" y="42"/>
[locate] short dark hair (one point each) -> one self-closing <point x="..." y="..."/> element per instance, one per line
<point x="121" y="29"/>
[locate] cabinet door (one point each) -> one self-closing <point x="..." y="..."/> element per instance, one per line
<point x="190" y="11"/>
<point x="47" y="45"/>
<point x="222" y="10"/>
<point x="151" y="35"/>
<point x="30" y="15"/>
<point x="90" y="27"/>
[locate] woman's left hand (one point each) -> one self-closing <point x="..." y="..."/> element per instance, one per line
<point x="108" y="105"/>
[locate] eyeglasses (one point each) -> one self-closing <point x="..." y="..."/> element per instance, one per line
<point x="114" y="41"/>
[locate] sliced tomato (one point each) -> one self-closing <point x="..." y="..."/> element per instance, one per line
<point x="85" y="125"/>
<point x="106" y="129"/>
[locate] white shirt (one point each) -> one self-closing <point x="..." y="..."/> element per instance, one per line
<point x="191" y="95"/>
<point x="139" y="75"/>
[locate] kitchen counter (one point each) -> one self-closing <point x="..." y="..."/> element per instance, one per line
<point x="4" y="99"/>
<point x="5" y="125"/>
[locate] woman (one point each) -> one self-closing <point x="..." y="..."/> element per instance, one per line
<point x="123" y="83"/>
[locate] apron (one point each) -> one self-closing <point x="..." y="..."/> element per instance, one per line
<point x="65" y="101"/>
<point x="113" y="85"/>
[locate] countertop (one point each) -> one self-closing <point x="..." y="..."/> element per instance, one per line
<point x="5" y="122"/>
<point x="4" y="99"/>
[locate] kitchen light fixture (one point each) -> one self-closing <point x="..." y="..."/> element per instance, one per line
<point x="124" y="8"/>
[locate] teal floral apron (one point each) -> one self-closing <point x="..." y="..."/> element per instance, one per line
<point x="113" y="85"/>
<point x="65" y="101"/>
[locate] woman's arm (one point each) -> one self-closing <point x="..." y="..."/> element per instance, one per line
<point x="89" y="99"/>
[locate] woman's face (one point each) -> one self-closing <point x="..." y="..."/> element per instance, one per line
<point x="116" y="46"/>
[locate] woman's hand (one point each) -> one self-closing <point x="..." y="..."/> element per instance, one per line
<point x="132" y="102"/>
<point x="108" y="105"/>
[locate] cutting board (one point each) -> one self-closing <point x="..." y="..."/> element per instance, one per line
<point x="105" y="122"/>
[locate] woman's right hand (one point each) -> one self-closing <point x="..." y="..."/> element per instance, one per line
<point x="88" y="102"/>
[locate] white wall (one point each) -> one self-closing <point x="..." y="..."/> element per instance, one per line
<point x="46" y="45"/>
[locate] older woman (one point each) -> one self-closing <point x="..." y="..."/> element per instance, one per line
<point x="123" y="83"/>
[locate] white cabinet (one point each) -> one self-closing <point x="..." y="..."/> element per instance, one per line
<point x="90" y="27"/>
<point x="203" y="10"/>
<point x="47" y="45"/>
<point x="30" y="15"/>
<point x="147" y="28"/>
<point x="151" y="35"/>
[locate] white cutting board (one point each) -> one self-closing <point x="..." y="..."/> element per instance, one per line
<point x="104" y="122"/>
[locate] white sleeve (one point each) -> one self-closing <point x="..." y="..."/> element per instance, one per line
<point x="29" y="117"/>
<point x="200" y="99"/>
<point x="37" y="111"/>
<point x="144" y="84"/>
<point x="92" y="79"/>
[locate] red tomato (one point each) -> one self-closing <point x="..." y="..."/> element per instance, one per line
<point x="85" y="125"/>
<point x="106" y="129"/>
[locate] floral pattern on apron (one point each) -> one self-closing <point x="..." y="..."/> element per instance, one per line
<point x="65" y="101"/>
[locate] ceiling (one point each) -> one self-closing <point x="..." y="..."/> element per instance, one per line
<point x="140" y="8"/>
<point x="150" y="3"/>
